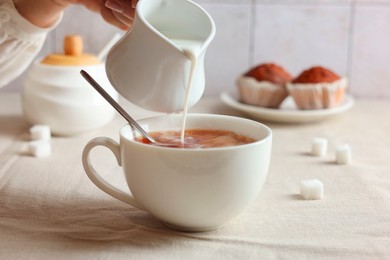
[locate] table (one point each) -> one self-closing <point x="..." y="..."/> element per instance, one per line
<point x="49" y="209"/>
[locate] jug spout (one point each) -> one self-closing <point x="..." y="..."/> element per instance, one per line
<point x="149" y="66"/>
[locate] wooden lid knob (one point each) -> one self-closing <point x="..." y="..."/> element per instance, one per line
<point x="73" y="45"/>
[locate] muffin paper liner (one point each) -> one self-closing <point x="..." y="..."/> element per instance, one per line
<point x="260" y="93"/>
<point x="318" y="95"/>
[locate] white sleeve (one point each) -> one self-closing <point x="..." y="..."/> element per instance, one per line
<point x="20" y="42"/>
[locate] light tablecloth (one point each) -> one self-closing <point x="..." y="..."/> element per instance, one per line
<point x="49" y="209"/>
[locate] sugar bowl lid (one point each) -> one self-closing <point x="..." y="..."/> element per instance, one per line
<point x="73" y="54"/>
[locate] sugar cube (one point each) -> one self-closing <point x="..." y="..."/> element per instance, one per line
<point x="343" y="154"/>
<point x="319" y="146"/>
<point x="312" y="189"/>
<point x="39" y="148"/>
<point x="40" y="132"/>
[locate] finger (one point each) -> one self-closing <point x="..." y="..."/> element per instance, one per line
<point x="91" y="5"/>
<point x="123" y="19"/>
<point x="130" y="13"/>
<point x="134" y="3"/>
<point x="121" y="6"/>
<point x="110" y="18"/>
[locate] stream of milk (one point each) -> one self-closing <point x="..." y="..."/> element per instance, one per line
<point x="191" y="49"/>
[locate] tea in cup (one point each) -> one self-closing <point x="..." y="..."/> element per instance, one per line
<point x="195" y="187"/>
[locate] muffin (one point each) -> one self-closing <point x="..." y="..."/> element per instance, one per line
<point x="264" y="85"/>
<point x="317" y="88"/>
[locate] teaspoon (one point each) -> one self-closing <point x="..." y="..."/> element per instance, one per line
<point x="121" y="111"/>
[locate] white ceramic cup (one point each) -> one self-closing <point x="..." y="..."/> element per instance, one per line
<point x="189" y="189"/>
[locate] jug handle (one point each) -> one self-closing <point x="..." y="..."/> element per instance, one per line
<point x="97" y="179"/>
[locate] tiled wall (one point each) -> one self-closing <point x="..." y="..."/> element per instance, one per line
<point x="351" y="37"/>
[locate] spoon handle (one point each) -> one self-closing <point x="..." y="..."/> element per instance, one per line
<point x="115" y="104"/>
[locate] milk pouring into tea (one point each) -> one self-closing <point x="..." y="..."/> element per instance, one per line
<point x="149" y="66"/>
<point x="191" y="50"/>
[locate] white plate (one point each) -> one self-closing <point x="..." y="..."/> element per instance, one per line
<point x="288" y="112"/>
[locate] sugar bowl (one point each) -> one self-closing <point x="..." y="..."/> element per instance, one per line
<point x="55" y="94"/>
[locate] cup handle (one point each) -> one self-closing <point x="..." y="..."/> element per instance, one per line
<point x="97" y="179"/>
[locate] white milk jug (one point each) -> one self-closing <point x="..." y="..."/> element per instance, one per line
<point x="151" y="66"/>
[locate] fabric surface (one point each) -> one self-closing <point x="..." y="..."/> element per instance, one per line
<point x="49" y="209"/>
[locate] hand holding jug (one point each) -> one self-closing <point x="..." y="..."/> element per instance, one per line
<point x="149" y="66"/>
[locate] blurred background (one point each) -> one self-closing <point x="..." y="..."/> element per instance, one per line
<point x="350" y="37"/>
